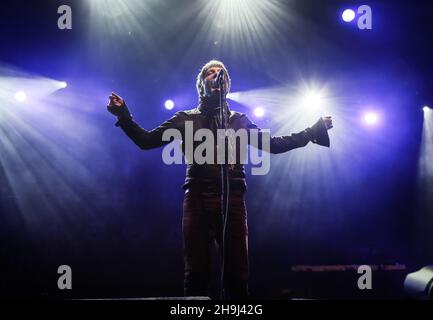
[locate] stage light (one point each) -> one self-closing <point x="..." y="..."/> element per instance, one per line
<point x="259" y="112"/>
<point x="419" y="284"/>
<point x="169" y="104"/>
<point x="246" y="26"/>
<point x="370" y="118"/>
<point x="423" y="222"/>
<point x="312" y="99"/>
<point x="348" y="15"/>
<point x="305" y="102"/>
<point x="63" y="85"/>
<point x="29" y="158"/>
<point x="132" y="20"/>
<point x="241" y="15"/>
<point x="20" y="96"/>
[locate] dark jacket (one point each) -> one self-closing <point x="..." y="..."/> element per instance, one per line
<point x="205" y="116"/>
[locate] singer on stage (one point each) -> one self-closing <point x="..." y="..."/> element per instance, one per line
<point x="202" y="223"/>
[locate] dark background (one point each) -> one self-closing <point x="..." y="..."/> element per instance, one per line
<point x="113" y="213"/>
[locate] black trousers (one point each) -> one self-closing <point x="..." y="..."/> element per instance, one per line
<point x="202" y="226"/>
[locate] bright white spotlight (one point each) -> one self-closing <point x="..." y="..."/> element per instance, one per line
<point x="246" y="26"/>
<point x="348" y="15"/>
<point x="426" y="108"/>
<point x="312" y="99"/>
<point x="63" y="85"/>
<point x="169" y="104"/>
<point x="20" y="96"/>
<point x="370" y="118"/>
<point x="259" y="112"/>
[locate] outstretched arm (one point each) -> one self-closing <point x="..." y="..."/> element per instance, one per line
<point x="143" y="138"/>
<point x="318" y="134"/>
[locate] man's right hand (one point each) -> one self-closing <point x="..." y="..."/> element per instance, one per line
<point x="116" y="104"/>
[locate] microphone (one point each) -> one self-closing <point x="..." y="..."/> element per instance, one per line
<point x="218" y="80"/>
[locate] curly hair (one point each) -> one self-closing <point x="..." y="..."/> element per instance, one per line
<point x="202" y="73"/>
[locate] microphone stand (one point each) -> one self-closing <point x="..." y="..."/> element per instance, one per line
<point x="225" y="186"/>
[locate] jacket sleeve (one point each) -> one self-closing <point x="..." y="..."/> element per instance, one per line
<point x="317" y="134"/>
<point x="149" y="139"/>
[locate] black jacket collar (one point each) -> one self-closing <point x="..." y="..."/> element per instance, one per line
<point x="211" y="105"/>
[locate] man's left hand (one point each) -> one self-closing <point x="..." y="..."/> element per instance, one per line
<point x="328" y="122"/>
